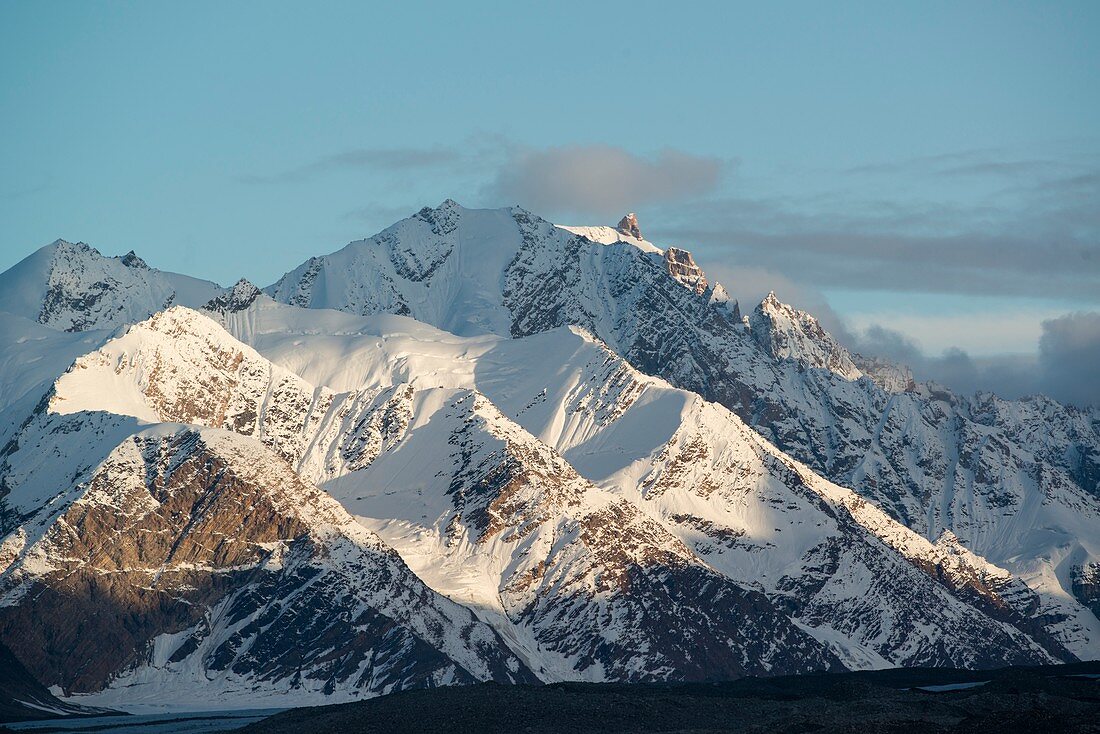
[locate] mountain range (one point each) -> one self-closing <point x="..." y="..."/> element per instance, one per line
<point x="480" y="446"/>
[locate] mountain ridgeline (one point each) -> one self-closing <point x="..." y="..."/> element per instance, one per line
<point x="482" y="447"/>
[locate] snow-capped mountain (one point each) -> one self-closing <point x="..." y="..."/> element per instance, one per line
<point x="787" y="333"/>
<point x="72" y="287"/>
<point x="992" y="471"/>
<point x="479" y="446"/>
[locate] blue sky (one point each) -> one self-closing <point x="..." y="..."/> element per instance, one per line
<point x="930" y="167"/>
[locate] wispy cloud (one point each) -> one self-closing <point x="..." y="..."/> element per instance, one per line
<point x="580" y="180"/>
<point x="925" y="163"/>
<point x="370" y="159"/>
<point x="23" y="192"/>
<point x="1033" y="236"/>
<point x="975" y="162"/>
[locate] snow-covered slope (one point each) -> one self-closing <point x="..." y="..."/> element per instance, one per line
<point x="72" y="287"/>
<point x="471" y="272"/>
<point x="413" y="458"/>
<point x="584" y="582"/>
<point x="980" y="466"/>
<point x="621" y="429"/>
<point x="192" y="564"/>
<point x="566" y="565"/>
<point x="31" y="357"/>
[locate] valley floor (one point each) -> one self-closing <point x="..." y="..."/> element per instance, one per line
<point x="1054" y="699"/>
<point x="195" y="722"/>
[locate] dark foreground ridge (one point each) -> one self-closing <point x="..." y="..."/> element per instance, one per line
<point x="22" y="698"/>
<point x="1063" y="698"/>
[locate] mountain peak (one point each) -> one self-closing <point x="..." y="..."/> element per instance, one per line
<point x="785" y="332"/>
<point x="131" y="260"/>
<point x="628" y="225"/>
<point x="890" y="376"/>
<point x="73" y="287"/>
<point x="238" y="298"/>
<point x="74" y="248"/>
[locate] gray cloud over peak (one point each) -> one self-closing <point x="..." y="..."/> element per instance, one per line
<point x="1029" y="236"/>
<point x="926" y="162"/>
<point x="993" y="162"/>
<point x="602" y="180"/>
<point x="1065" y="367"/>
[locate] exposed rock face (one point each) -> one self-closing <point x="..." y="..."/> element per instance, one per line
<point x="628" y="225"/>
<point x="131" y="260"/>
<point x="236" y="299"/>
<point x="682" y="267"/>
<point x="1085" y="583"/>
<point x="199" y="557"/>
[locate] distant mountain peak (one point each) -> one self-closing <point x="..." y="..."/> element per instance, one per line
<point x="628" y="225"/>
<point x="785" y="332"/>
<point x="74" y="287"/>
<point x="238" y="298"/>
<point x="131" y="260"/>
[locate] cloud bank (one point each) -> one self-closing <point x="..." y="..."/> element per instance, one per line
<point x="1044" y="242"/>
<point x="1065" y="368"/>
<point x="1069" y="358"/>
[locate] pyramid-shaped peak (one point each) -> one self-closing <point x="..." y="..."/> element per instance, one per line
<point x="628" y="225"/>
<point x="131" y="260"/>
<point x="238" y="298"/>
<point x="448" y="205"/>
<point x="784" y="332"/>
